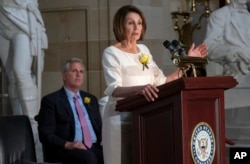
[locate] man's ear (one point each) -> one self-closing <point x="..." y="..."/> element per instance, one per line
<point x="63" y="76"/>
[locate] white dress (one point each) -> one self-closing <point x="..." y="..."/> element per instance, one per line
<point x="123" y="69"/>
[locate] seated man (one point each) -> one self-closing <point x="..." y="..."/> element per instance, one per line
<point x="228" y="38"/>
<point x="69" y="121"/>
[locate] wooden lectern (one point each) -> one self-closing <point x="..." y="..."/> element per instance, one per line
<point x="184" y="125"/>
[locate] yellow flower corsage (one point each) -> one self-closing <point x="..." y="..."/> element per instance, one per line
<point x="87" y="100"/>
<point x="144" y="59"/>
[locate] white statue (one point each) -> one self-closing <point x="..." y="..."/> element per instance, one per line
<point x="22" y="39"/>
<point x="228" y="38"/>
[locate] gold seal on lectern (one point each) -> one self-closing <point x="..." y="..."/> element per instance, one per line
<point x="203" y="144"/>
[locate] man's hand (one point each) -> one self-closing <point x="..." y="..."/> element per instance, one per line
<point x="74" y="145"/>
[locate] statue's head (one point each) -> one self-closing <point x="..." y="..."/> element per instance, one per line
<point x="239" y="1"/>
<point x="240" y="4"/>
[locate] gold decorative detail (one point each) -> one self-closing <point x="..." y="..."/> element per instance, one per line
<point x="206" y="5"/>
<point x="184" y="28"/>
<point x="198" y="24"/>
<point x="184" y="19"/>
<point x="207" y="8"/>
<point x="193" y="6"/>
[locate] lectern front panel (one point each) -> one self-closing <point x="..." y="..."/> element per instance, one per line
<point x="204" y="107"/>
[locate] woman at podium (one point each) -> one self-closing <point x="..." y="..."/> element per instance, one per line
<point x="129" y="69"/>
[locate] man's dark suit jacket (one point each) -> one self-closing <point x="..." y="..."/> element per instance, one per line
<point x="56" y="122"/>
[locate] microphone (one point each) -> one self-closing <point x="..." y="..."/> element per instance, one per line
<point x="179" y="47"/>
<point x="167" y="44"/>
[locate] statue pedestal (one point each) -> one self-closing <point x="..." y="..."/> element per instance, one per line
<point x="237" y="108"/>
<point x="237" y="112"/>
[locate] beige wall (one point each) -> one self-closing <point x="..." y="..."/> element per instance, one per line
<point x="75" y="29"/>
<point x="83" y="28"/>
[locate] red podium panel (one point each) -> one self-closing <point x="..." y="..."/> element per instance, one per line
<point x="185" y="124"/>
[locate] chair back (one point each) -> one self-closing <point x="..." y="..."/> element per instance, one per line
<point x="16" y="140"/>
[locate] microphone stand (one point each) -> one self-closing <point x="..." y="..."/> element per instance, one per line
<point x="186" y="63"/>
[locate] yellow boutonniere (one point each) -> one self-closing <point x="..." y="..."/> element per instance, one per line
<point x="144" y="59"/>
<point x="87" y="100"/>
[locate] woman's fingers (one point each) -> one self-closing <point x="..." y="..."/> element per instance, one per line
<point x="199" y="51"/>
<point x="150" y="92"/>
<point x="191" y="50"/>
<point x="203" y="50"/>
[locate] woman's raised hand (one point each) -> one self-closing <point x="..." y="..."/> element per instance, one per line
<point x="199" y="51"/>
